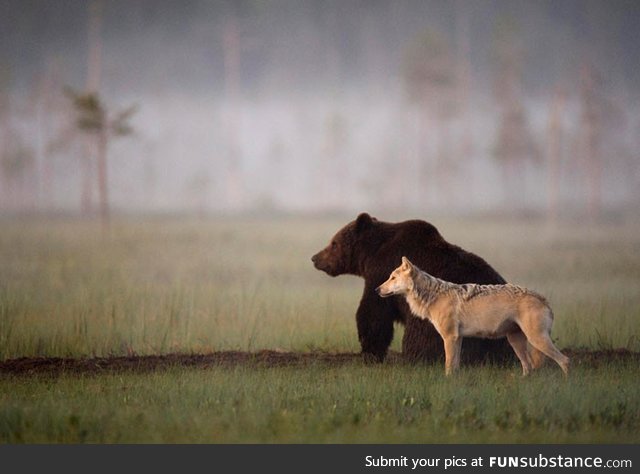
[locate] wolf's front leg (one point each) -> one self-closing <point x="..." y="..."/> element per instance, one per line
<point x="452" y="349"/>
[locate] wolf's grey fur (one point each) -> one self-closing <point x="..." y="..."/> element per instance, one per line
<point x="489" y="311"/>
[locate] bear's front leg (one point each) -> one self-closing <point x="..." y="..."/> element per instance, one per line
<point x="421" y="342"/>
<point x="374" y="319"/>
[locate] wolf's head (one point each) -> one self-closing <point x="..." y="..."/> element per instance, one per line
<point x="400" y="281"/>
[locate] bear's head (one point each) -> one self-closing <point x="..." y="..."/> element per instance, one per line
<point x="344" y="253"/>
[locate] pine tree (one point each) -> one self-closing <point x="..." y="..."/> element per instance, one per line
<point x="93" y="118"/>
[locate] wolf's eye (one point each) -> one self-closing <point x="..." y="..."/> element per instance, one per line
<point x="393" y="277"/>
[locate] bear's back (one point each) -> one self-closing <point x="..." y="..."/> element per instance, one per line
<point x="422" y="243"/>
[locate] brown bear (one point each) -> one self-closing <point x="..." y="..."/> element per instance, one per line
<point x="371" y="249"/>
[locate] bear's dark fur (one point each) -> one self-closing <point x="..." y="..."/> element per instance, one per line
<point x="371" y="249"/>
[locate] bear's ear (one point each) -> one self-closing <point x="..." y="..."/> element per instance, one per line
<point x="363" y="221"/>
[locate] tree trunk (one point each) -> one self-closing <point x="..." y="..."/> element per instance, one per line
<point x="444" y="167"/>
<point x="5" y="194"/>
<point x="102" y="180"/>
<point x="43" y="120"/>
<point x="86" y="201"/>
<point x="591" y="140"/>
<point x="231" y="59"/>
<point x="554" y="153"/>
<point x="94" y="72"/>
<point x="424" y="176"/>
<point x="463" y="75"/>
<point x="94" y="61"/>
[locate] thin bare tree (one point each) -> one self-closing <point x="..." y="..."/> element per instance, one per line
<point x="232" y="50"/>
<point x="429" y="75"/>
<point x="555" y="134"/>
<point x="592" y="101"/>
<point x="514" y="145"/>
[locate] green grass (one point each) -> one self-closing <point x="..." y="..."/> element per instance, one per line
<point x="187" y="285"/>
<point x="166" y="286"/>
<point x="352" y="403"/>
<point x="171" y="285"/>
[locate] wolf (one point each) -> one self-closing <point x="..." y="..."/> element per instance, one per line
<point x="471" y="310"/>
<point x="370" y="248"/>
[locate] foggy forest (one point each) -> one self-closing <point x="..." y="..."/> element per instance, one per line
<point x="279" y="106"/>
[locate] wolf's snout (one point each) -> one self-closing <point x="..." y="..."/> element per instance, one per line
<point x="379" y="291"/>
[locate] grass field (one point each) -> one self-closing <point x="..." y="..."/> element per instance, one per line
<point x="166" y="285"/>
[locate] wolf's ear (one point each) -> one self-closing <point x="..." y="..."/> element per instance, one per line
<point x="363" y="221"/>
<point x="406" y="263"/>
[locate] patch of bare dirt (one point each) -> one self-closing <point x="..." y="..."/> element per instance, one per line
<point x="266" y="358"/>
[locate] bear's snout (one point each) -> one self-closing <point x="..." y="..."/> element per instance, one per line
<point x="319" y="262"/>
<point x="323" y="263"/>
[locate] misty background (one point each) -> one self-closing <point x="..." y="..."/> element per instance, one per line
<point x="321" y="106"/>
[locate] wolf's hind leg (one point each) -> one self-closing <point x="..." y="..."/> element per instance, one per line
<point x="543" y="343"/>
<point x="518" y="341"/>
<point x="536" y="324"/>
<point x="536" y="357"/>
